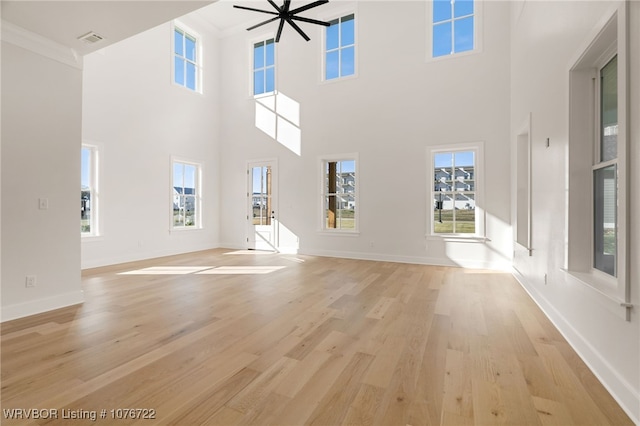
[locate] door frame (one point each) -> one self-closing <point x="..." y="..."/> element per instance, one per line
<point x="251" y="241"/>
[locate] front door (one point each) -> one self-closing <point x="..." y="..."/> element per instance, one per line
<point x="261" y="202"/>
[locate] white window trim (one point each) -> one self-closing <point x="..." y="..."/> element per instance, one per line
<point x="337" y="14"/>
<point x="479" y="235"/>
<point x="612" y="30"/>
<point x="199" y="56"/>
<point x="322" y="160"/>
<point x="96" y="172"/>
<point x="478" y="33"/>
<point x="264" y="37"/>
<point x="199" y="207"/>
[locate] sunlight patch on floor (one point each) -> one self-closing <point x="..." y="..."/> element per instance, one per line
<point x="241" y="270"/>
<point x="167" y="270"/>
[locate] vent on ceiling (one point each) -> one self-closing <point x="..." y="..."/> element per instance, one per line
<point x="90" y="37"/>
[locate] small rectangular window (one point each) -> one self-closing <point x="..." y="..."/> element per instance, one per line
<point x="186" y="195"/>
<point x="89" y="195"/>
<point x="453" y="27"/>
<point x="339" y="194"/>
<point x="339" y="52"/>
<point x="455" y="191"/>
<point x="264" y="64"/>
<point x="185" y="59"/>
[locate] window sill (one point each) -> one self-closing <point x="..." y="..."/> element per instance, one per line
<point x="339" y="79"/>
<point x="90" y="238"/>
<point x="465" y="54"/>
<point x="339" y="233"/>
<point x="600" y="282"/>
<point x="185" y="229"/>
<point x="452" y="238"/>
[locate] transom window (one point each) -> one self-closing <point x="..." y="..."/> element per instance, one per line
<point x="340" y="49"/>
<point x="453" y="27"/>
<point x="264" y="66"/>
<point x="339" y="194"/>
<point x="186" y="198"/>
<point x="185" y="59"/>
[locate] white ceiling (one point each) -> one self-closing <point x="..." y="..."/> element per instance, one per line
<point x="115" y="20"/>
<point x="65" y="21"/>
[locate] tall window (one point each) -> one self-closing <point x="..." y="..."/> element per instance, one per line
<point x="89" y="194"/>
<point x="264" y="66"/>
<point x="186" y="195"/>
<point x="605" y="171"/>
<point x="185" y="59"/>
<point x="453" y="27"/>
<point x="340" y="48"/>
<point x="454" y="195"/>
<point x="339" y="194"/>
<point x="598" y="192"/>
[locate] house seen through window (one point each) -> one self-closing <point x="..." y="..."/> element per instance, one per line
<point x="454" y="192"/>
<point x="339" y="195"/>
<point x="186" y="195"/>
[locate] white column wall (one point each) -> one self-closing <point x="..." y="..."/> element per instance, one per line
<point x="139" y="119"/>
<point x="41" y="132"/>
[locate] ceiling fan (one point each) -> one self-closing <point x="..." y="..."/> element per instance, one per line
<point x="285" y="14"/>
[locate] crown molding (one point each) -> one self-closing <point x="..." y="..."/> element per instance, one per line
<point x="40" y="45"/>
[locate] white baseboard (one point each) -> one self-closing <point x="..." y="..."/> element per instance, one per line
<point x="135" y="257"/>
<point x="38" y="306"/>
<point x="385" y="257"/>
<point x="617" y="385"/>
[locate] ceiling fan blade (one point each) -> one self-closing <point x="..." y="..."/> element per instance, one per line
<point x="255" y="10"/>
<point x="264" y="22"/>
<point x="298" y="29"/>
<point x="276" y="7"/>
<point x="279" y="30"/>
<point x="309" y="6"/>
<point x="311" y="21"/>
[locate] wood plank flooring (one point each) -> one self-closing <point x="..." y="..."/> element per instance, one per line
<point x="225" y="337"/>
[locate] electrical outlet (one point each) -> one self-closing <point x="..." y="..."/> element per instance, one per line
<point x="30" y="281"/>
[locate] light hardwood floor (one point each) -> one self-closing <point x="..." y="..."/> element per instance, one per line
<point x="224" y="337"/>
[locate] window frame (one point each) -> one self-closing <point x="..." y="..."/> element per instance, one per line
<point x="610" y="38"/>
<point x="478" y="31"/>
<point x="338" y="15"/>
<point x="324" y="192"/>
<point x="599" y="163"/>
<point x="94" y="187"/>
<point x="197" y="194"/>
<point x="480" y="229"/>
<point x="252" y="70"/>
<point x="198" y="63"/>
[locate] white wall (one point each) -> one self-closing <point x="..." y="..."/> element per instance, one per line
<point x="542" y="55"/>
<point x="41" y="133"/>
<point x="139" y="118"/>
<point x="397" y="106"/>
